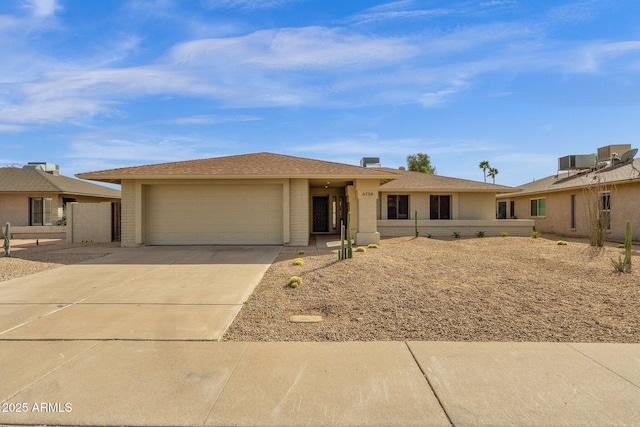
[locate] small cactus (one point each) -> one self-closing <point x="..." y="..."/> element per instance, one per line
<point x="7" y="240"/>
<point x="295" y="281"/>
<point x="627" y="247"/>
<point x="298" y="261"/>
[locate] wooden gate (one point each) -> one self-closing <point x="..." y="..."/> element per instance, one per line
<point x="116" y="221"/>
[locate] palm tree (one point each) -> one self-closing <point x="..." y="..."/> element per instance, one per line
<point x="484" y="165"/>
<point x="492" y="173"/>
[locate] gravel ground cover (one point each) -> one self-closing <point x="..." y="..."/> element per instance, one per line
<point x="29" y="258"/>
<point x="476" y="289"/>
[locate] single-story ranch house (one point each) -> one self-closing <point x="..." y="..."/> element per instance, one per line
<point x="267" y="198"/>
<point x="33" y="198"/>
<point x="606" y="184"/>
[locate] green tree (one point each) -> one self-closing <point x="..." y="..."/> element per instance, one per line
<point x="420" y="163"/>
<point x="492" y="173"/>
<point x="484" y="165"/>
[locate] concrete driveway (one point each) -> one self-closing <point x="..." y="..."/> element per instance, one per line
<point x="148" y="293"/>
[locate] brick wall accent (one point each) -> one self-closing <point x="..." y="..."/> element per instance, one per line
<point x="299" y="212"/>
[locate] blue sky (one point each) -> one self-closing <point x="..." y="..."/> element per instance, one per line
<point x="93" y="85"/>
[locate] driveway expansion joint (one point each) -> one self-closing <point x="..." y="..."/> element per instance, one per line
<point x="433" y="390"/>
<point x="603" y="366"/>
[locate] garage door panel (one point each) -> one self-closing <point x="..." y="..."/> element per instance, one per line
<point x="214" y="214"/>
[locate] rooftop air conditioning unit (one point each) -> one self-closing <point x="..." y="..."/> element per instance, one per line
<point x="44" y="166"/>
<point x="576" y="162"/>
<point x="606" y="153"/>
<point x="370" y="162"/>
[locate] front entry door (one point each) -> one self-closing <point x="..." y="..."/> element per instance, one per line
<point x="320" y="214"/>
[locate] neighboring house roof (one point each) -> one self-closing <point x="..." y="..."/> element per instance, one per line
<point x="418" y="181"/>
<point x="258" y="165"/>
<point x="618" y="174"/>
<point x="16" y="180"/>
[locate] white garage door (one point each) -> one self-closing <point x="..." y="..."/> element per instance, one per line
<point x="214" y="214"/>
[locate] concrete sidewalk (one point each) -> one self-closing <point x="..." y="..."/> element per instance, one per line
<point x="303" y="384"/>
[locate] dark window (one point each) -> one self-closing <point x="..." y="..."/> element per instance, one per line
<point x="606" y="210"/>
<point x="440" y="207"/>
<point x="398" y="207"/>
<point x="502" y="210"/>
<point x="538" y="207"/>
<point x="39" y="211"/>
<point x="512" y="208"/>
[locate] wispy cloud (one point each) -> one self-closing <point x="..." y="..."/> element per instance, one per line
<point x="212" y="119"/>
<point x="43" y="8"/>
<point x="169" y="149"/>
<point x="248" y="5"/>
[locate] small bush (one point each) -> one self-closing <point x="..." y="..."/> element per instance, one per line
<point x="300" y="252"/>
<point x="535" y="234"/>
<point x="621" y="246"/>
<point x="561" y="243"/>
<point x="429" y="236"/>
<point x="456" y="235"/>
<point x="621" y="266"/>
<point x="295" y="281"/>
<point x="372" y="246"/>
<point x="504" y="234"/>
<point x="298" y="261"/>
<point x="480" y="234"/>
<point x="361" y="249"/>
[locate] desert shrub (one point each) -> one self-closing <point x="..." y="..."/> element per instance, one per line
<point x="620" y="246"/>
<point x="480" y="234"/>
<point x="295" y="281"/>
<point x="300" y="252"/>
<point x="372" y="246"/>
<point x="620" y="265"/>
<point x="429" y="236"/>
<point x="298" y="261"/>
<point x="535" y="234"/>
<point x="361" y="249"/>
<point x="504" y="234"/>
<point x="561" y="243"/>
<point x="456" y="234"/>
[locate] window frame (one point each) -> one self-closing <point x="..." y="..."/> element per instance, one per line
<point x="605" y="205"/>
<point x="538" y="207"/>
<point x="40" y="211"/>
<point x="438" y="209"/>
<point x="394" y="210"/>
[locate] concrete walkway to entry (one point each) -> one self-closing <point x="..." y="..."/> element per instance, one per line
<point x="131" y="339"/>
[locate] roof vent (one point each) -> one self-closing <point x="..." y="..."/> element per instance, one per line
<point x="370" y="162"/>
<point x="576" y="162"/>
<point x="51" y="168"/>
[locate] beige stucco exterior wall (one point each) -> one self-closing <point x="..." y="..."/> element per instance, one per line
<point x="464" y="206"/>
<point x="298" y="212"/>
<point x="14" y="209"/>
<point x="89" y="222"/>
<point x="476" y="206"/>
<point x="625" y="206"/>
<point x="367" y="191"/>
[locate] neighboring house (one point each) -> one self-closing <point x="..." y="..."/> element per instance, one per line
<point x="33" y="198"/>
<point x="443" y="205"/>
<point x="263" y="198"/>
<point x="565" y="204"/>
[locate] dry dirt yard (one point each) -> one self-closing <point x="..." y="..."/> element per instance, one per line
<point x="474" y="289"/>
<point x="29" y="258"/>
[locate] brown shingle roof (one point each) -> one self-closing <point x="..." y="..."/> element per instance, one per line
<point x="258" y="165"/>
<point x="417" y="181"/>
<point x="15" y="180"/>
<point x="619" y="174"/>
